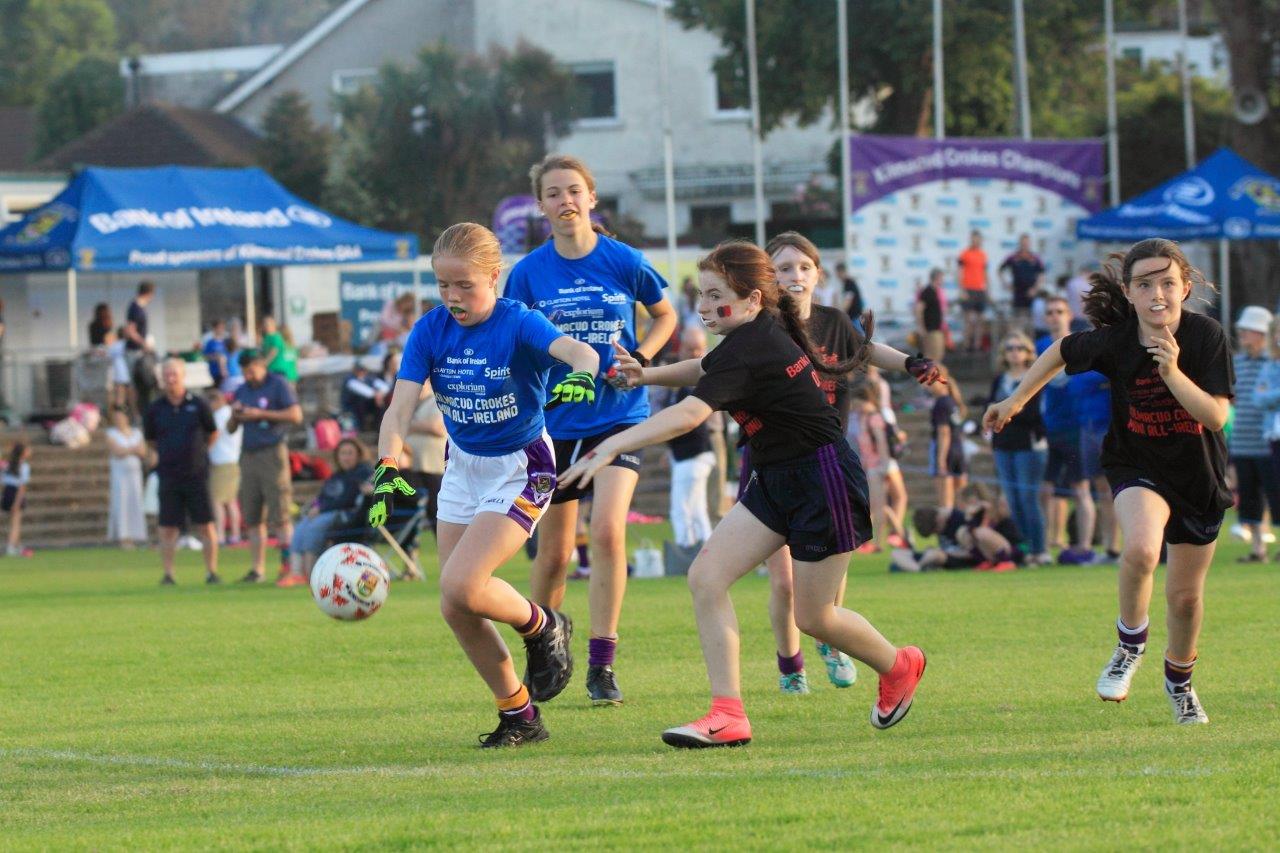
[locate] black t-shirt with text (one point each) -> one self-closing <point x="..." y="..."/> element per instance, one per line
<point x="766" y="383"/>
<point x="1151" y="435"/>
<point x="835" y="339"/>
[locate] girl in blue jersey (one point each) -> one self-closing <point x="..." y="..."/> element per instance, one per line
<point x="589" y="285"/>
<point x="807" y="489"/>
<point x="488" y="361"/>
<point x="1164" y="455"/>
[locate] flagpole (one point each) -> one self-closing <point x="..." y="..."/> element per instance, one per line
<point x="1113" y="123"/>
<point x="668" y="145"/>
<point x="757" y="152"/>
<point x="1184" y="68"/>
<point x="846" y="197"/>
<point x="1020" y="70"/>
<point x="939" y="93"/>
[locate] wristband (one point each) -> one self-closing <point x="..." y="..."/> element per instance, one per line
<point x="639" y="356"/>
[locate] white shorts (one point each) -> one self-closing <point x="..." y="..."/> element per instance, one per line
<point x="518" y="485"/>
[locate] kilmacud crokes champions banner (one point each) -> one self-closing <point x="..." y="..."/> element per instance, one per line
<point x="879" y="165"/>
<point x="916" y="201"/>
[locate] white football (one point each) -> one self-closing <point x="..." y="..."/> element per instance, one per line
<point x="350" y="582"/>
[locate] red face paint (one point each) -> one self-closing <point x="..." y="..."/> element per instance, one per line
<point x="724" y="311"/>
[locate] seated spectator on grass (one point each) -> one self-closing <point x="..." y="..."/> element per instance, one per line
<point x="340" y="494"/>
<point x="964" y="542"/>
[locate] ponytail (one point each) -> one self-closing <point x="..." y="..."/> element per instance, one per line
<point x="1105" y="303"/>
<point x="789" y="313"/>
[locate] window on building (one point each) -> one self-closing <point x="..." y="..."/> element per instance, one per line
<point x="349" y="80"/>
<point x="597" y="91"/>
<point x="1133" y="53"/>
<point x="709" y="223"/>
<point x="732" y="98"/>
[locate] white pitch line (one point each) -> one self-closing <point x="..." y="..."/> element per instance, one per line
<point x="454" y="771"/>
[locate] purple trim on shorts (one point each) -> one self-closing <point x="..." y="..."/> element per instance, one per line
<point x="1138" y="483"/>
<point x="540" y="471"/>
<point x="837" y="498"/>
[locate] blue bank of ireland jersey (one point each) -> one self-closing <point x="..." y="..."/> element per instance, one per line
<point x="490" y="379"/>
<point x="592" y="299"/>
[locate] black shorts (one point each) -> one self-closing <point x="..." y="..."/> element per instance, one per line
<point x="975" y="301"/>
<point x="185" y="499"/>
<point x="1182" y="528"/>
<point x="818" y="503"/>
<point x="570" y="450"/>
<point x="7" y="499"/>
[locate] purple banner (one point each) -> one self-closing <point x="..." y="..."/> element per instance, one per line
<point x="512" y="220"/>
<point x="880" y="165"/>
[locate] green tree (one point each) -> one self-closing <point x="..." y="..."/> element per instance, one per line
<point x="41" y="40"/>
<point x="77" y="101"/>
<point x="294" y="150"/>
<point x="445" y="139"/>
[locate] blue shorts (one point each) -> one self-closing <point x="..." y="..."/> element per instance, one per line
<point x="817" y="503"/>
<point x="1091" y="436"/>
<point x="1063" y="468"/>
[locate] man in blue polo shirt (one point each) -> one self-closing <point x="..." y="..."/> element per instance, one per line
<point x="265" y="406"/>
<point x="180" y="427"/>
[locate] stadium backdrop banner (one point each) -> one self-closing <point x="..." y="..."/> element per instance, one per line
<point x="916" y="200"/>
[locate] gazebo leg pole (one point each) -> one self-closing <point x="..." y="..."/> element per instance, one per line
<point x="250" y="310"/>
<point x="1224" y="282"/>
<point x="73" y="338"/>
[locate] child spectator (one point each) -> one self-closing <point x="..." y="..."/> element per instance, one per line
<point x="964" y="542"/>
<point x="224" y="472"/>
<point x="215" y="352"/>
<point x="946" y="448"/>
<point x="868" y="433"/>
<point x="120" y="385"/>
<point x="278" y="349"/>
<point x="14" y="498"/>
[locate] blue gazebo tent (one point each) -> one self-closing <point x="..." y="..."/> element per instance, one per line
<point x="176" y="218"/>
<point x="1223" y="198"/>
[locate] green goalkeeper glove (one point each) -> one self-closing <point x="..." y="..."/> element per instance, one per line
<point x="386" y="482"/>
<point x="577" y="387"/>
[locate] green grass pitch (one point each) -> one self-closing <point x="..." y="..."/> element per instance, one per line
<point x="134" y="716"/>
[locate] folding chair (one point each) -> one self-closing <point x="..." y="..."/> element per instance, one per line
<point x="399" y="534"/>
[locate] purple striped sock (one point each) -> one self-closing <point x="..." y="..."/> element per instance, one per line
<point x="525" y="712"/>
<point x="789" y="665"/>
<point x="600" y="651"/>
<point x="1132" y="636"/>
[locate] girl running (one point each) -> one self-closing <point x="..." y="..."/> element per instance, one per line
<point x="1164" y="454"/>
<point x="798" y="266"/>
<point x="807" y="490"/>
<point x="589" y="285"/>
<point x="487" y="359"/>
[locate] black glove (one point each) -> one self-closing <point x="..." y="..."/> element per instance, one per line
<point x="386" y="482"/>
<point x="923" y="369"/>
<point x="577" y="387"/>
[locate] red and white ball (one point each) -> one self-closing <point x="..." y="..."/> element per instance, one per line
<point x="350" y="582"/>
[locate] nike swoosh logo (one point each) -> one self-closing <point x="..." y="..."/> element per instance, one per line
<point x="884" y="718"/>
<point x="717" y="731"/>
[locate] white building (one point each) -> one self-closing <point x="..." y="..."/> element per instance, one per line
<point x="1206" y="55"/>
<point x="612" y="47"/>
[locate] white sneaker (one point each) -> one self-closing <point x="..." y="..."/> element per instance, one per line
<point x="1186" y="705"/>
<point x="1113" y="684"/>
<point x="840" y="669"/>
